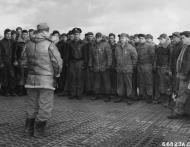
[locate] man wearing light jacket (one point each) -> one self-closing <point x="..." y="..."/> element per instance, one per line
<point x="126" y="59"/>
<point x="44" y="64"/>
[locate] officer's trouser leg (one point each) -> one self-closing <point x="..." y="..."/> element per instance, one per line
<point x="31" y="103"/>
<point x="45" y="102"/>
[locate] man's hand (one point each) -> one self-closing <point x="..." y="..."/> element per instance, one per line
<point x="1" y="65"/>
<point x="15" y="63"/>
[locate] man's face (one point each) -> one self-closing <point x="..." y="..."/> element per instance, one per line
<point x="77" y="36"/>
<point x="8" y="35"/>
<point x="149" y="40"/>
<point x="64" y="38"/>
<point x="142" y="40"/>
<point x="185" y="40"/>
<point x="136" y="39"/>
<point x="123" y="39"/>
<point x="31" y="33"/>
<point x="14" y="36"/>
<point x="162" y="40"/>
<point x="19" y="32"/>
<point x="25" y="36"/>
<point x="98" y="39"/>
<point x="90" y="37"/>
<point x="57" y="35"/>
<point x="71" y="37"/>
<point x="176" y="39"/>
<point x="111" y="39"/>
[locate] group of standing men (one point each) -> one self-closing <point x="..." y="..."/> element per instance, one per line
<point x="134" y="68"/>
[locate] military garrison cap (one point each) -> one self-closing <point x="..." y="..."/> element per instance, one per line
<point x="89" y="33"/>
<point x="185" y="33"/>
<point x="149" y="36"/>
<point x="124" y="35"/>
<point x="163" y="36"/>
<point x="76" y="30"/>
<point x="98" y="34"/>
<point x="176" y="34"/>
<point x="42" y="26"/>
<point x="142" y="35"/>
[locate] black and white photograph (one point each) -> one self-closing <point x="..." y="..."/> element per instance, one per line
<point x="94" y="73"/>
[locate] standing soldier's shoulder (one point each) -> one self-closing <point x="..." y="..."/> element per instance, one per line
<point x="131" y="47"/>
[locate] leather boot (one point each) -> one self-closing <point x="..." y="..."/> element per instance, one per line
<point x="29" y="126"/>
<point x="39" y="129"/>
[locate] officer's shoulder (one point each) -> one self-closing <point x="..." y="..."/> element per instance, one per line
<point x="130" y="46"/>
<point x="30" y="42"/>
<point x="49" y="40"/>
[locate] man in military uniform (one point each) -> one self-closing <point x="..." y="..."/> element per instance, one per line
<point x="31" y="33"/>
<point x="112" y="72"/>
<point x="20" y="72"/>
<point x="163" y="74"/>
<point x="88" y="74"/>
<point x="182" y="101"/>
<point x="149" y="39"/>
<point x="100" y="62"/>
<point x="176" y="49"/>
<point x="44" y="64"/>
<point x="134" y="75"/>
<point x="63" y="47"/>
<point x="8" y="72"/>
<point x="76" y="62"/>
<point x="126" y="59"/>
<point x="67" y="86"/>
<point x="144" y="68"/>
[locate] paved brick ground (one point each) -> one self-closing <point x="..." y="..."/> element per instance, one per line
<point x="93" y="123"/>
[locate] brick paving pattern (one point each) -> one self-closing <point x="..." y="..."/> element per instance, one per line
<point x="86" y="123"/>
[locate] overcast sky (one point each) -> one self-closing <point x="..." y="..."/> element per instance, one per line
<point x="117" y="16"/>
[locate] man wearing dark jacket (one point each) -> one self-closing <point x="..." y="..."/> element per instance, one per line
<point x="163" y="72"/>
<point x="20" y="72"/>
<point x="144" y="67"/>
<point x="112" y="71"/>
<point x="182" y="101"/>
<point x="76" y="63"/>
<point x="176" y="49"/>
<point x="100" y="62"/>
<point x="88" y="82"/>
<point x="8" y="74"/>
<point x="63" y="47"/>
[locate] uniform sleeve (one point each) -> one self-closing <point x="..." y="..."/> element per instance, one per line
<point x="116" y="56"/>
<point x="155" y="56"/>
<point x="56" y="60"/>
<point x="152" y="52"/>
<point x="24" y="59"/>
<point x="134" y="56"/>
<point x="1" y="54"/>
<point x="109" y="54"/>
<point x="187" y="64"/>
<point x="90" y="57"/>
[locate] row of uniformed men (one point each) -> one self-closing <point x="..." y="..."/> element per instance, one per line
<point x="133" y="68"/>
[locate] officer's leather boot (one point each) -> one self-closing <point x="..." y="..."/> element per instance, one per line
<point x="39" y="129"/>
<point x="29" y="126"/>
